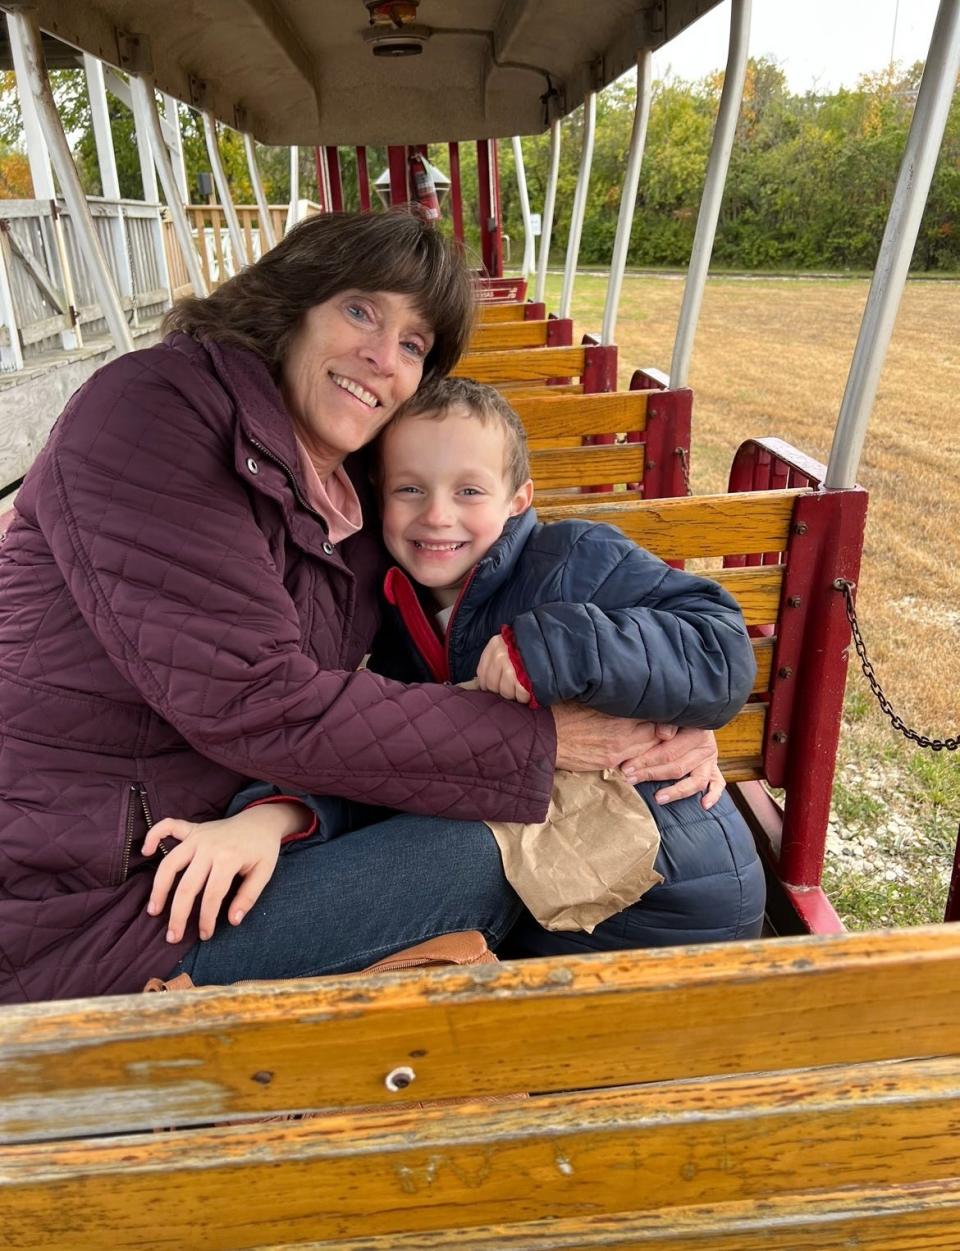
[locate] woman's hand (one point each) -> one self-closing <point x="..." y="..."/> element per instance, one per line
<point x="495" y="672"/>
<point x="211" y="855"/>
<point x="687" y="754"/>
<point x="588" y="740"/>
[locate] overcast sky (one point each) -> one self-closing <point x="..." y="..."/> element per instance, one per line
<point x="819" y="44"/>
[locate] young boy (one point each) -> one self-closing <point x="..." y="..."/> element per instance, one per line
<point x="571" y="611"/>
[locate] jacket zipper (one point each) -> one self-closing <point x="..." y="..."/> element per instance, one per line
<point x="456" y="608"/>
<point x="137" y="793"/>
<point x="292" y="480"/>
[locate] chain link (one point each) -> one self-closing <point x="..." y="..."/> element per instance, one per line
<point x="921" y="740"/>
<point x="684" y="468"/>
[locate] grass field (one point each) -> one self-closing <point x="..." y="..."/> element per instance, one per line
<point x="771" y="358"/>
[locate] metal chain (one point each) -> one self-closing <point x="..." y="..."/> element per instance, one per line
<point x="684" y="468"/>
<point x="921" y="740"/>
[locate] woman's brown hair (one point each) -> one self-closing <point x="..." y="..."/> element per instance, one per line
<point x="261" y="307"/>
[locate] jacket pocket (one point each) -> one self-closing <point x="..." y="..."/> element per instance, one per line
<point x="138" y="818"/>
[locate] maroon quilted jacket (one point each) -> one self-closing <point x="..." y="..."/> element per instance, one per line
<point x="173" y="620"/>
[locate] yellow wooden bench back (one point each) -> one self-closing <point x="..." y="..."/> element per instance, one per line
<point x="523" y="365"/>
<point x="509" y="335"/>
<point x="738" y="1097"/>
<point x="712" y="526"/>
<point x="492" y="314"/>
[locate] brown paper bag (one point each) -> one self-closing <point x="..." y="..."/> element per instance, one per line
<point x="592" y="857"/>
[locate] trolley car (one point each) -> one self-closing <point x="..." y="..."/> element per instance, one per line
<point x="796" y="1092"/>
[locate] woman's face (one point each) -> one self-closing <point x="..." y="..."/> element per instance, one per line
<point x="352" y="362"/>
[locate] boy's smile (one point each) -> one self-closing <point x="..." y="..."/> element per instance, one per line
<point x="445" y="496"/>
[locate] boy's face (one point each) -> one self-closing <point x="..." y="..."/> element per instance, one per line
<point x="445" y="497"/>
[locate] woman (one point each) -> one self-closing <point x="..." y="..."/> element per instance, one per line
<point x="185" y="597"/>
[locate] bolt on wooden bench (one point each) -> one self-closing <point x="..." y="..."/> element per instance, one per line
<point x="778" y="1095"/>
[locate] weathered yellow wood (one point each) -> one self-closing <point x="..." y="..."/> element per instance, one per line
<point x="511" y="334"/>
<point x="553" y="468"/>
<point x="763" y="655"/>
<point x="488" y="314"/>
<point x="555" y="1024"/>
<point x="743" y="737"/>
<point x="756" y="589"/>
<point x="699" y="525"/>
<point x="548" y="416"/>
<point x="645" y="1148"/>
<point x="516" y="390"/>
<point x="924" y="1216"/>
<point x="741" y="770"/>
<point x="524" y="364"/>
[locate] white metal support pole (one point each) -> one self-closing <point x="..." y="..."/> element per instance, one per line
<point x="25" y="29"/>
<point x="147" y="121"/>
<point x="628" y="195"/>
<point x="109" y="181"/>
<point x="293" y="211"/>
<point x="546" y="226"/>
<point x="11" y="354"/>
<point x="723" y="136"/>
<point x="171" y="115"/>
<point x="237" y="244"/>
<point x="579" y="202"/>
<point x="41" y="174"/>
<point x="899" y="240"/>
<point x="267" y="237"/>
<point x="529" y="247"/>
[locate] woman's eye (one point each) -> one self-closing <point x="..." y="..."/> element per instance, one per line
<point x="358" y="311"/>
<point x="415" y="348"/>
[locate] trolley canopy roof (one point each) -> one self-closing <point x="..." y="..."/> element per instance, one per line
<point x="306" y="72"/>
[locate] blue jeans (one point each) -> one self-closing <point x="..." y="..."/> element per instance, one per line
<point x="338" y="906"/>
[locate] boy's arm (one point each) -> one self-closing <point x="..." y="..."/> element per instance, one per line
<point x="631" y="636"/>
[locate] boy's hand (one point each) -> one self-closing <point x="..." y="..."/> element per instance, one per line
<point x="210" y="855"/>
<point x="495" y="672"/>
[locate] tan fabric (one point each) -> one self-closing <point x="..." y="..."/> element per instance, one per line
<point x="592" y="856"/>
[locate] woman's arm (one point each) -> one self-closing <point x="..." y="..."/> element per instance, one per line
<point x="177" y="582"/>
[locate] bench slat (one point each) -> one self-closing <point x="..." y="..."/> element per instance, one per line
<point x="924" y="1216"/>
<point x="518" y="390"/>
<point x="704" y="525"/>
<point x="553" y="468"/>
<point x="743" y="737"/>
<point x="555" y="1024"/>
<point x="547" y="416"/>
<point x="511" y="334"/>
<point x="522" y="364"/>
<point x="490" y="314"/>
<point x="648" y="1148"/>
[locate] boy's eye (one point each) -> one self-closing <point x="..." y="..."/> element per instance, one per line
<point x="407" y="490"/>
<point x="470" y="491"/>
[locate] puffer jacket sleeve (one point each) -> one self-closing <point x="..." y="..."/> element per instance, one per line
<point x="152" y="528"/>
<point x="632" y="636"/>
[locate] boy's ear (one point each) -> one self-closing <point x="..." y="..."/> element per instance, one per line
<point x="522" y="499"/>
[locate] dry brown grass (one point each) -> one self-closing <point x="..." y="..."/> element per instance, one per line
<point x="771" y="358"/>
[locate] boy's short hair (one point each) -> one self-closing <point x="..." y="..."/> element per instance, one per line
<point x="438" y="396"/>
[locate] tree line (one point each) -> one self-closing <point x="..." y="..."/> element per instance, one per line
<point x="809" y="186"/>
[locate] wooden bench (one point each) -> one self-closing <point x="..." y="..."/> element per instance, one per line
<point x="644" y="435"/>
<point x="782" y="548"/>
<point x="594" y="365"/>
<point x="780" y="1095"/>
<point x="488" y="314"/>
<point x="547" y="332"/>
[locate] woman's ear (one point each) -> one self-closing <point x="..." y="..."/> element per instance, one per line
<point x="522" y="499"/>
